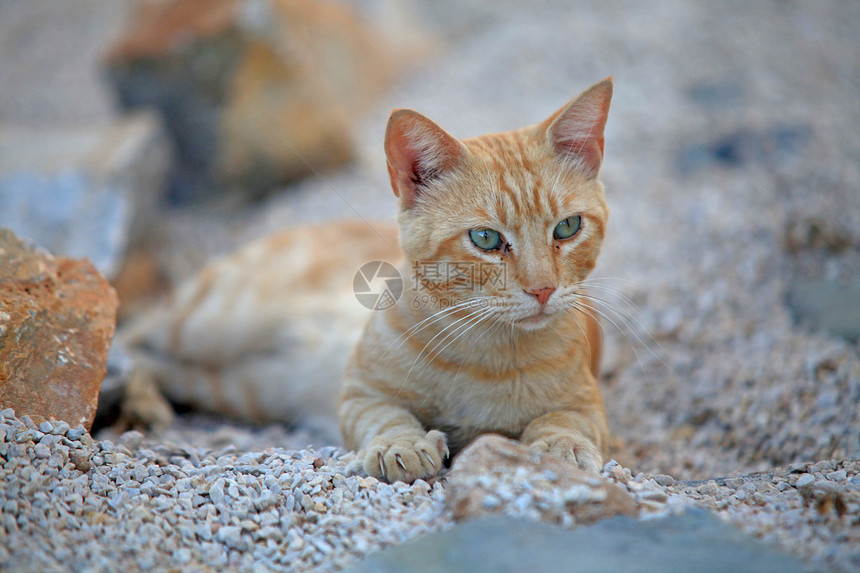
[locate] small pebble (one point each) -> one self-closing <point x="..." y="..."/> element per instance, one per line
<point x="653" y="495"/>
<point x="708" y="488"/>
<point x="81" y="461"/>
<point x="76" y="433"/>
<point x="804" y="480"/>
<point x="799" y="467"/>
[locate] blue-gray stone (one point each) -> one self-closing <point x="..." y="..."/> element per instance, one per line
<point x="777" y="145"/>
<point x="86" y="191"/>
<point x="694" y="542"/>
<point x="826" y="305"/>
<point x="719" y="94"/>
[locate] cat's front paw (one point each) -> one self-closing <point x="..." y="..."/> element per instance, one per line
<point x="573" y="448"/>
<point x="406" y="457"/>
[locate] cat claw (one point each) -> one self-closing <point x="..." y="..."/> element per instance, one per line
<point x="399" y="458"/>
<point x="381" y="465"/>
<point x="400" y="462"/>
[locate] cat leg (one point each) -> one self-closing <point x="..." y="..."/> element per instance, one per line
<point x="570" y="435"/>
<point x="394" y="445"/>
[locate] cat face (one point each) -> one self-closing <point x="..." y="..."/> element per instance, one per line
<point x="511" y="221"/>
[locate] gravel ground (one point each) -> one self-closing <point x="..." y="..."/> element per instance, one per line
<point x="732" y="138"/>
<point x="69" y="502"/>
<point x="72" y="503"/>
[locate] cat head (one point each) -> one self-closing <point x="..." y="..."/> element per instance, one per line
<point x="514" y="220"/>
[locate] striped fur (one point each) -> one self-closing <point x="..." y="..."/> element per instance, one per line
<point x="264" y="334"/>
<point x="463" y="354"/>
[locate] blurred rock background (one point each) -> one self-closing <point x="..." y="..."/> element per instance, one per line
<point x="150" y="137"/>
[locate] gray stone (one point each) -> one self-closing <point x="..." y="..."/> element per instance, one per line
<point x="696" y="541"/>
<point x="76" y="433"/>
<point x="84" y="191"/>
<point x="60" y="427"/>
<point x="825" y="486"/>
<point x="799" y="467"/>
<point x="827" y="305"/>
<point x="805" y="480"/>
<point x="232" y="536"/>
<point x="216" y="492"/>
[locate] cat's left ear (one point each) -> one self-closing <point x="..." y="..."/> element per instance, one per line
<point x="576" y="130"/>
<point x="418" y="151"/>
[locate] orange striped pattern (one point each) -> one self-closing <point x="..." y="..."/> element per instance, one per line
<point x="457" y="357"/>
<point x="264" y="334"/>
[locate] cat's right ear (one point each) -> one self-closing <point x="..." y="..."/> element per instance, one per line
<point x="418" y="151"/>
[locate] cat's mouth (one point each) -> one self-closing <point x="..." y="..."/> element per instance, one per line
<point x="537" y="320"/>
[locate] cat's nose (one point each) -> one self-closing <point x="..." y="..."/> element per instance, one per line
<point x="542" y="294"/>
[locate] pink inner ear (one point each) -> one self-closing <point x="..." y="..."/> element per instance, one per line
<point x="585" y="154"/>
<point x="417" y="150"/>
<point x="576" y="131"/>
<point x="400" y="155"/>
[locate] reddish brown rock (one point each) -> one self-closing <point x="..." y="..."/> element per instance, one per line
<point x="255" y="93"/>
<point x="56" y="323"/>
<point x="498" y="475"/>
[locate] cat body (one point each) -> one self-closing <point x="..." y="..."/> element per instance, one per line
<point x="468" y="384"/>
<point x="265" y="333"/>
<point x="492" y="332"/>
<point x="512" y="350"/>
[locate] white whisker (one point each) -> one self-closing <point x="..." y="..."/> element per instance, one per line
<point x="474" y="320"/>
<point x="454" y="334"/>
<point x="432" y="319"/>
<point x="630" y="320"/>
<point x="446" y="332"/>
<point x="624" y="321"/>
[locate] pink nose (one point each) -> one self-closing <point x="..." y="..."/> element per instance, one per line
<point x="542" y="294"/>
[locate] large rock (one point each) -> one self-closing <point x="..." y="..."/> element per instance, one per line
<point x="56" y="324"/>
<point x="88" y="191"/>
<point x="255" y="92"/>
<point x="495" y="475"/>
<point x="696" y="542"/>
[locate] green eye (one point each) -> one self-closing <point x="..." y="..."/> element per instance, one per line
<point x="567" y="228"/>
<point x="486" y="239"/>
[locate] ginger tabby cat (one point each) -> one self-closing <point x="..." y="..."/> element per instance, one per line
<point x="494" y="333"/>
